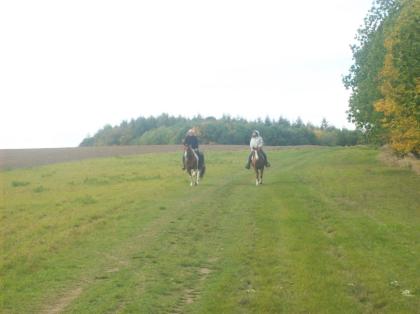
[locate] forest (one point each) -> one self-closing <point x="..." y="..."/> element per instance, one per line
<point x="166" y="129"/>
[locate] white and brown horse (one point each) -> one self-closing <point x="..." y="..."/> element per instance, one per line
<point x="194" y="166"/>
<point x="258" y="163"/>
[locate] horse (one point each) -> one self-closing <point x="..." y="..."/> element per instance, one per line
<point x="194" y="165"/>
<point x="258" y="163"/>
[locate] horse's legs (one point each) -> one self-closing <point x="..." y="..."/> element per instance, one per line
<point x="194" y="175"/>
<point x="191" y="176"/>
<point x="257" y="181"/>
<point x="258" y="176"/>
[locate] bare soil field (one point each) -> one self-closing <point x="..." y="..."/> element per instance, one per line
<point x="21" y="158"/>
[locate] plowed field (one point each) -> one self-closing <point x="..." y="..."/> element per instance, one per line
<point x="21" y="158"/>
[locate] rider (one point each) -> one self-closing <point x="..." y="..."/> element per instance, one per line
<point x="256" y="143"/>
<point x="192" y="141"/>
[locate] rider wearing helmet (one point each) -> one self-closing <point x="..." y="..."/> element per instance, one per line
<point x="256" y="142"/>
<point x="192" y="141"/>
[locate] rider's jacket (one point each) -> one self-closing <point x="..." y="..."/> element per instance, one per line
<point x="191" y="140"/>
<point x="256" y="142"/>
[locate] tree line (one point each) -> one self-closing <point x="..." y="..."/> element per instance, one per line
<point x="166" y="129"/>
<point x="385" y="76"/>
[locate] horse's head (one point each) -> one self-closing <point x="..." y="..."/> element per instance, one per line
<point x="188" y="150"/>
<point x="255" y="153"/>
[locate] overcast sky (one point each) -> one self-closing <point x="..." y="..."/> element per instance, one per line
<point x="67" y="68"/>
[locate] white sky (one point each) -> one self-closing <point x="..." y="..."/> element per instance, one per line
<point x="67" y="68"/>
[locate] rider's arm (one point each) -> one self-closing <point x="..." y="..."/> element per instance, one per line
<point x="260" y="142"/>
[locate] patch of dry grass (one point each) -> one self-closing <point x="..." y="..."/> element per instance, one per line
<point x="388" y="157"/>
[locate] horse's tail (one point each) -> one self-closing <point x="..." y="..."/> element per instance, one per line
<point x="202" y="171"/>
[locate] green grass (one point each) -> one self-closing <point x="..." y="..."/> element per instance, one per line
<point x="331" y="230"/>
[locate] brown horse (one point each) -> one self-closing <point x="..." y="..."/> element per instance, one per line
<point x="258" y="163"/>
<point x="193" y="165"/>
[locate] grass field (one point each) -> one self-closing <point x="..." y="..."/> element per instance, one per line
<point x="332" y="230"/>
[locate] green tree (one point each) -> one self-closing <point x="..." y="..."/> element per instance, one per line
<point x="400" y="81"/>
<point x="363" y="78"/>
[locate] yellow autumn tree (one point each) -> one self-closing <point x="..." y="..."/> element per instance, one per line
<point x="400" y="81"/>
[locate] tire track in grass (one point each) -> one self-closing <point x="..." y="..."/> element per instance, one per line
<point x="210" y="215"/>
<point x="115" y="262"/>
<point x="233" y="281"/>
<point x="63" y="301"/>
<point x="185" y="275"/>
<point x="121" y="259"/>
